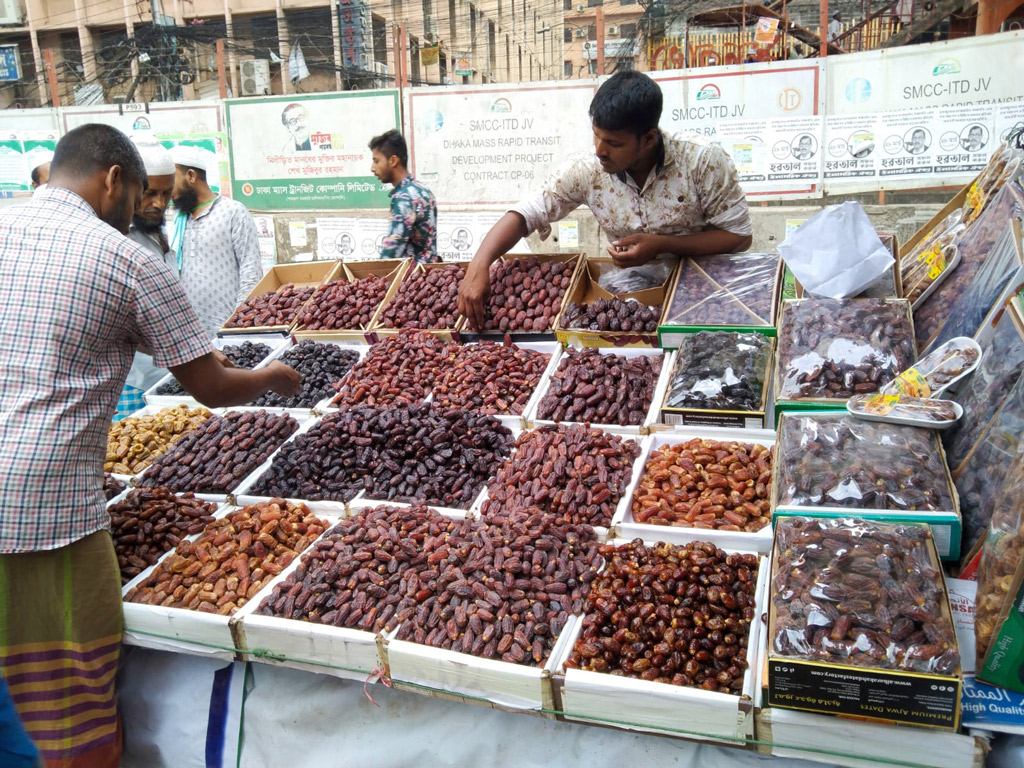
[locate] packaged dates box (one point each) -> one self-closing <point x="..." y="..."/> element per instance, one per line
<point x="303" y="275"/>
<point x="586" y="289"/>
<point x="379" y="330"/>
<point x="827" y="649"/>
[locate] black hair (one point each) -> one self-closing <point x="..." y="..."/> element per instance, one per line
<point x="391" y="143"/>
<point x="35" y="174"/>
<point x="628" y="101"/>
<point x="96" y="147"/>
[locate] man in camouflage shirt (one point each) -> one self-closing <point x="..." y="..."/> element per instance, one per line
<point x="413" y="230"/>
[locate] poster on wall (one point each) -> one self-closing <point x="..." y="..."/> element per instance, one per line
<point x="909" y="143"/>
<point x="487" y="146"/>
<point x="699" y="99"/>
<point x="197" y="117"/>
<point x="778" y="155"/>
<point x="20" y="152"/>
<point x="966" y="137"/>
<point x="265" y="240"/>
<point x="309" y="152"/>
<point x="349" y="238"/>
<point x="851" y="148"/>
<point x="1009" y="118"/>
<point x="965" y="72"/>
<point x="459" y="234"/>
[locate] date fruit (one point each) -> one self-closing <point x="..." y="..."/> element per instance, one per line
<point x="133" y="443"/>
<point x="629" y="316"/>
<point x="344" y="304"/>
<point x="321" y="366"/>
<point x="399" y="370"/>
<point x="490" y="378"/>
<point x="427" y="298"/>
<point x="275" y="308"/>
<point x="526" y="294"/>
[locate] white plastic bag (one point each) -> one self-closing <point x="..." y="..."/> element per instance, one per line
<point x="836" y="253"/>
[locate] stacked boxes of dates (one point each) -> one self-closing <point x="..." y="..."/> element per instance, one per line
<point x="595" y="317"/>
<point x="277" y="300"/>
<point x="836" y="465"/>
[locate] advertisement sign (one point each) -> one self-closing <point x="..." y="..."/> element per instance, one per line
<point x="464" y="64"/>
<point x="179" y="119"/>
<point x="492" y="145"/>
<point x="459" y="234"/>
<point x="429" y="56"/>
<point x="310" y="152"/>
<point x="10" y="63"/>
<point x="697" y="100"/>
<point x="19" y="151"/>
<point x="954" y="73"/>
<point x="776" y="154"/>
<point x="852" y="148"/>
<point x="765" y="34"/>
<point x="356" y="30"/>
<point x="350" y="238"/>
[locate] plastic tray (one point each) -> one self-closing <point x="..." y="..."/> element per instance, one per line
<point x="933" y="360"/>
<point x="853" y="405"/>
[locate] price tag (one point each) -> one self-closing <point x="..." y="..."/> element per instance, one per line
<point x="881" y="405"/>
<point x="911" y="383"/>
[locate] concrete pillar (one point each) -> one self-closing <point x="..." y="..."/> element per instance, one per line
<point x="85" y="43"/>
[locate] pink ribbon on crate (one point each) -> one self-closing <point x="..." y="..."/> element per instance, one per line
<point x="377" y="676"/>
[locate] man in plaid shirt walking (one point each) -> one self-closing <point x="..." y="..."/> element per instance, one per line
<point x="77" y="298"/>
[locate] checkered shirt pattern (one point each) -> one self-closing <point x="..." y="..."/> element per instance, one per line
<point x="76" y="299"/>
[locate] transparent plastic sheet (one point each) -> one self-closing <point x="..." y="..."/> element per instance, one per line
<point x="861" y="593"/>
<point x="979" y="480"/>
<point x="983" y="393"/>
<point x="980" y="296"/>
<point x="835" y="348"/>
<point x="916" y="264"/>
<point x="841" y="461"/>
<point x="725" y="289"/>
<point x="654" y="274"/>
<point x="974" y="245"/>
<point x="895" y="407"/>
<point x="934" y="266"/>
<point x="1003" y="167"/>
<point x="721" y="371"/>
<point x="1001" y="557"/>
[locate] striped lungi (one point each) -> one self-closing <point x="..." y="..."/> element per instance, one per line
<point x="60" y="643"/>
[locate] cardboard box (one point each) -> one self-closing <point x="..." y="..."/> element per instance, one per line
<point x="625" y="527"/>
<point x="698" y="278"/>
<point x="946" y="525"/>
<point x="597" y="698"/>
<point x="790" y="404"/>
<point x="885" y="695"/>
<point x="392" y="270"/>
<point x="585" y="289"/>
<point x="466" y="333"/>
<point x="532" y="418"/>
<point x="671" y="417"/>
<point x="311" y="274"/>
<point x="378" y="331"/>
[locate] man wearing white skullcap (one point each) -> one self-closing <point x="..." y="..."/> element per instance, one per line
<point x="147" y="229"/>
<point x="214" y="244"/>
<point x="41" y="170"/>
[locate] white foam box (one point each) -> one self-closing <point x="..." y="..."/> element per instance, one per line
<point x="533" y="420"/>
<point x="351" y="654"/>
<point x="511" y="687"/>
<point x="625" y="527"/>
<point x="276" y="342"/>
<point x="596" y="698"/>
<point x="176" y="629"/>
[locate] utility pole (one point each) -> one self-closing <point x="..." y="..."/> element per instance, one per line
<point x="600" y="40"/>
<point x="158" y="43"/>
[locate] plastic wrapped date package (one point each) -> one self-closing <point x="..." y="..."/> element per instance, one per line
<point x="721" y="371"/>
<point x="836" y="348"/>
<point x="727" y="289"/>
<point x="860" y="593"/>
<point x="841" y="461"/>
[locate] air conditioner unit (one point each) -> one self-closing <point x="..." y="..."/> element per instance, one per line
<point x="613" y="31"/>
<point x="365" y="62"/>
<point x="255" y="77"/>
<point x="380" y="68"/>
<point x="581" y="8"/>
<point x="10" y="12"/>
<point x="581" y="33"/>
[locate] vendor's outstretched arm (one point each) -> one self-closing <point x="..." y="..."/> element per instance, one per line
<point x="635" y="250"/>
<point x="476" y="285"/>
<point x="214" y="385"/>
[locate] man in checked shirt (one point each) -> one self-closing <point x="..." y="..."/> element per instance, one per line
<point x="77" y="298"/>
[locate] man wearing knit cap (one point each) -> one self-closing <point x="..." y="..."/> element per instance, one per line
<point x="215" y="251"/>
<point x="147" y="229"/>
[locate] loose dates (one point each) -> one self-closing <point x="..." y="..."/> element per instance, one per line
<point x="526" y="294"/>
<point x="150" y="521"/>
<point x="612" y="315"/>
<point x="320" y="365"/>
<point x="427" y="298"/>
<point x="490" y="378"/>
<point x="723" y="485"/>
<point x="344" y="304"/>
<point x="404" y="453"/>
<point x="133" y="443"/>
<point x="111" y="486"/>
<point x="245" y="355"/>
<point x="397" y="371"/>
<point x="862" y="593"/>
<point x="279" y="307"/>
<point x="575" y="473"/>
<point x="670" y="614"/>
<point x="590" y="386"/>
<point x="232" y="560"/>
<point x="216" y="457"/>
